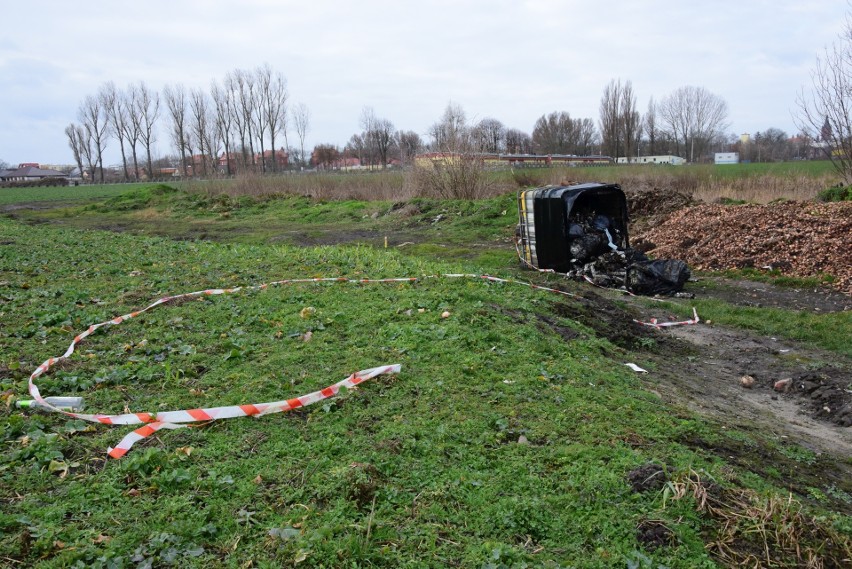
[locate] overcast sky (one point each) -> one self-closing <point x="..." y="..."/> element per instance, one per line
<point x="510" y="60"/>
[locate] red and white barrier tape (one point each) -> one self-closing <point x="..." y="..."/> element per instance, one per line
<point x="654" y="324"/>
<point x="175" y="419"/>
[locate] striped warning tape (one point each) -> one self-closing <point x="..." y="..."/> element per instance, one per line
<point x="655" y="324"/>
<point x="178" y="419"/>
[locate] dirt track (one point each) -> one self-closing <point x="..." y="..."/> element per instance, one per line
<point x="699" y="367"/>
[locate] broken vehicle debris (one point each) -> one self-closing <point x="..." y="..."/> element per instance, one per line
<point x="581" y="231"/>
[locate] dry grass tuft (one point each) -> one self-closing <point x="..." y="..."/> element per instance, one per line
<point x="755" y="531"/>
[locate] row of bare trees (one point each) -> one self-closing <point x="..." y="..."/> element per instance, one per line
<point x="237" y="125"/>
<point x="690" y="120"/>
<point x="241" y="121"/>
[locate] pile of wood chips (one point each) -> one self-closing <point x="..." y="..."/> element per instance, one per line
<point x="803" y="239"/>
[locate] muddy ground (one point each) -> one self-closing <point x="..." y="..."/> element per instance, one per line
<point x="699" y="368"/>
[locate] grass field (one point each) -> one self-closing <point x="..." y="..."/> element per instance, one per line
<point x="64" y="194"/>
<point x="506" y="440"/>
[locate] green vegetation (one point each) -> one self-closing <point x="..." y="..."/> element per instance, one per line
<point x="830" y="331"/>
<point x="836" y="194"/>
<point x="68" y="194"/>
<point x="777" y="278"/>
<point x="506" y="441"/>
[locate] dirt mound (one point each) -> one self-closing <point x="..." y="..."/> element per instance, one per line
<point x="656" y="202"/>
<point x="798" y="238"/>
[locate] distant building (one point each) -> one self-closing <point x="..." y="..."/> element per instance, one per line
<point x="727" y="158"/>
<point x="669" y="159"/>
<point x="512" y="160"/>
<point x="29" y="172"/>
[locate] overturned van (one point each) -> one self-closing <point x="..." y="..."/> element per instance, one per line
<point x="581" y="230"/>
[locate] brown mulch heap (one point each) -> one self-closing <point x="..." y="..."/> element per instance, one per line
<point x="801" y="239"/>
<point x="650" y="206"/>
<point x="655" y="202"/>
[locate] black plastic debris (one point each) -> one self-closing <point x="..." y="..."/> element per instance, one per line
<point x="581" y="230"/>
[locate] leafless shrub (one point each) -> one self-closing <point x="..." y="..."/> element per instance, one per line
<point x="452" y="175"/>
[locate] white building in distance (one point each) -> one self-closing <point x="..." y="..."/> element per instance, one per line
<point x="665" y="159"/>
<point x="727" y="158"/>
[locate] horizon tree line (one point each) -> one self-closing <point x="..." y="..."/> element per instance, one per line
<point x="238" y="125"/>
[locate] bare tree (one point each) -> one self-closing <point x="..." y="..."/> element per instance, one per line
<point x="491" y="135"/>
<point x="145" y="111"/>
<point x="378" y="134"/>
<point x="114" y="102"/>
<point x="271" y="107"/>
<point x="93" y="117"/>
<point x="232" y="85"/>
<point x="693" y="117"/>
<point x="133" y="125"/>
<point x="823" y="111"/>
<point x="619" y="121"/>
<point x="776" y="145"/>
<point x="261" y="81"/>
<point x="630" y="119"/>
<point x="356" y="148"/>
<point x="201" y="123"/>
<point x="587" y="136"/>
<point x="223" y="113"/>
<point x="240" y="85"/>
<point x="451" y="133"/>
<point x="409" y="144"/>
<point x="518" y="142"/>
<point x="76" y="134"/>
<point x="554" y="134"/>
<point x="651" y="127"/>
<point x="325" y="155"/>
<point x="302" y="122"/>
<point x="176" y="103"/>
<point x="610" y="109"/>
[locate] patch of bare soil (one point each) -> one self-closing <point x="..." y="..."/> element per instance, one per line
<point x="759" y="295"/>
<point x="700" y="367"/>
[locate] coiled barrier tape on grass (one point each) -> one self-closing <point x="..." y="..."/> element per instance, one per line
<point x="178" y="419"/>
<point x="185" y="417"/>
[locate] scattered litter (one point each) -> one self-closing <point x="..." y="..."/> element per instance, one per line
<point x="636" y="368"/>
<point x="445" y="314"/>
<point x="63" y="403"/>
